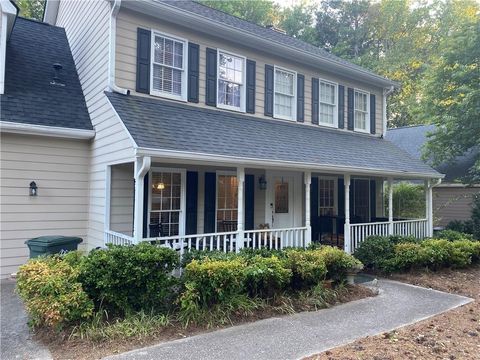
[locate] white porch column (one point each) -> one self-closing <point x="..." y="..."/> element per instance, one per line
<point x="142" y="166"/>
<point x="346" y="232"/>
<point x="241" y="208"/>
<point x="108" y="197"/>
<point x="429" y="207"/>
<point x="390" y="206"/>
<point x="308" y="181"/>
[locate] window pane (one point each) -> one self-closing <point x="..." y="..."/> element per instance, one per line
<point x="229" y="93"/>
<point x="281" y="197"/>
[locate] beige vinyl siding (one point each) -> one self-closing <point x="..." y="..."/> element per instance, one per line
<point x="452" y="203"/>
<point x="126" y="50"/>
<point x="122" y="199"/>
<point x="60" y="169"/>
<point x="87" y="26"/>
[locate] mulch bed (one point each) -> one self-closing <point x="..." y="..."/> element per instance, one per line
<point x="451" y="335"/>
<point x="63" y="347"/>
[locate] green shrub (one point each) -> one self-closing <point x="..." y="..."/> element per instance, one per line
<point x="435" y="254"/>
<point x="397" y="239"/>
<point x="475" y="218"/>
<point x="126" y="279"/>
<point x="338" y="262"/>
<point x="374" y="251"/>
<point x="214" y="281"/>
<point x="248" y="253"/>
<point x="308" y="267"/>
<point x="201" y="255"/>
<point x="405" y="256"/>
<point x="51" y="292"/>
<point x="266" y="276"/>
<point x="452" y="235"/>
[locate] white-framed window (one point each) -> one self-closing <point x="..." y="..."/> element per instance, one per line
<point x="168" y="75"/>
<point x="328" y="103"/>
<point x="227" y="202"/>
<point x="167" y="202"/>
<point x="230" y="81"/>
<point x="327" y="196"/>
<point x="284" y="94"/>
<point x="361" y="111"/>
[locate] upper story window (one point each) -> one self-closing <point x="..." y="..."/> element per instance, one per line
<point x="362" y="113"/>
<point x="284" y="94"/>
<point x="328" y="114"/>
<point x="168" y="66"/>
<point x="231" y="81"/>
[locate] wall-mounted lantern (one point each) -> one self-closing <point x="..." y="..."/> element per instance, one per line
<point x="262" y="182"/>
<point x="33" y="189"/>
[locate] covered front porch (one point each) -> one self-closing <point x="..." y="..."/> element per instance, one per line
<point x="216" y="206"/>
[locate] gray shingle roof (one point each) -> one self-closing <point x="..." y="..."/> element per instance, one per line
<point x="167" y="125"/>
<point x="413" y="138"/>
<point x="29" y="97"/>
<point x="262" y="32"/>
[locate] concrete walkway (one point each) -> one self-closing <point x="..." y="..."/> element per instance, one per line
<point x="296" y="336"/>
<point x="16" y="340"/>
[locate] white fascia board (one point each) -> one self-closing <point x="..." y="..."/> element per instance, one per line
<point x="200" y="23"/>
<point x="51" y="12"/>
<point x="42" y="130"/>
<point x="229" y="161"/>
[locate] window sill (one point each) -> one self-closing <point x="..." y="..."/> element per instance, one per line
<point x="230" y="108"/>
<point x="168" y="96"/>
<point x="283" y="117"/>
<point x="365" y="131"/>
<point x="334" y="126"/>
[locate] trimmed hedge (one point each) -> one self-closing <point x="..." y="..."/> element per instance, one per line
<point x="380" y="253"/>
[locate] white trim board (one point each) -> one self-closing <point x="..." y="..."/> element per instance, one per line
<point x="42" y="130"/>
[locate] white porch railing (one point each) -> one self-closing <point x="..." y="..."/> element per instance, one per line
<point x="359" y="232"/>
<point x="115" y="238"/>
<point x="276" y="238"/>
<point x="416" y="228"/>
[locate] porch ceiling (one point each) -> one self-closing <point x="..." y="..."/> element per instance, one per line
<point x="168" y="126"/>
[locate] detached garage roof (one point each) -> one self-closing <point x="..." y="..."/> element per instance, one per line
<point x="165" y="125"/>
<point x="32" y="96"/>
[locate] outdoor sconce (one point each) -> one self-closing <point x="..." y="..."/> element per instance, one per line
<point x="262" y="182"/>
<point x="33" y="189"/>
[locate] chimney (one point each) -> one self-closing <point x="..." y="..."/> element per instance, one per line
<point x="274" y="28"/>
<point x="57" y="67"/>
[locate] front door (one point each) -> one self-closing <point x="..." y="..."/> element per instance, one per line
<point x="283" y="208"/>
<point x="361" y="200"/>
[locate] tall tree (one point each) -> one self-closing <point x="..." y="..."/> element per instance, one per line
<point x="451" y="98"/>
<point x="298" y="21"/>
<point x="32" y="9"/>
<point x="261" y="12"/>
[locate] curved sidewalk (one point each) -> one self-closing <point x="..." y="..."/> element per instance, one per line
<point x="303" y="334"/>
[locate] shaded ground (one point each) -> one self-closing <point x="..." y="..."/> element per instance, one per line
<point x="63" y="346"/>
<point x="451" y="335"/>
<point x="16" y="339"/>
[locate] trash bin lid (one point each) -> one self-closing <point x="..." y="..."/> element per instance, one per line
<point x="54" y="240"/>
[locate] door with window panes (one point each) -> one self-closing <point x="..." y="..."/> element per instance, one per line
<point x="227" y="202"/>
<point x="166" y="208"/>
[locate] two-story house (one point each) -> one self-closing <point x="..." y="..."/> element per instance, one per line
<point x="215" y="133"/>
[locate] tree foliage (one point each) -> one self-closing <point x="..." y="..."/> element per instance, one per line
<point x="32" y="9"/>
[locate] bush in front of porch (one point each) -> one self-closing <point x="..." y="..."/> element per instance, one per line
<point x="394" y="254"/>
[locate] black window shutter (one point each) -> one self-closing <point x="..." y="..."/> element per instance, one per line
<point x="249" y="201"/>
<point x="269" y="78"/>
<point x="341" y="106"/>
<point x="191" y="203"/>
<point x="193" y="71"/>
<point x="341" y="197"/>
<point x="350" y="105"/>
<point x="211" y="78"/>
<point x="250" y="86"/>
<point x="373" y="202"/>
<point x="315" y="100"/>
<point x="209" y="203"/>
<point x="146" y="190"/>
<point x="300" y="98"/>
<point x="143" y="60"/>
<point x="315" y="221"/>
<point x="372" y="114"/>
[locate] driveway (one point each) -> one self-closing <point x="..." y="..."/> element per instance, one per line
<point x="296" y="336"/>
<point x="16" y="340"/>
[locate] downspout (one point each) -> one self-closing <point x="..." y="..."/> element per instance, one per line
<point x="386" y="92"/>
<point x="112" y="86"/>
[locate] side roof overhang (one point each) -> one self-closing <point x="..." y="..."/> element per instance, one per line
<point x="161" y="128"/>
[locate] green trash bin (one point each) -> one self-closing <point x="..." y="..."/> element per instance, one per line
<point x="53" y="244"/>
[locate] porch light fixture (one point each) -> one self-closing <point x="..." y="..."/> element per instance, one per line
<point x="262" y="182"/>
<point x="33" y="189"/>
<point x="159" y="186"/>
